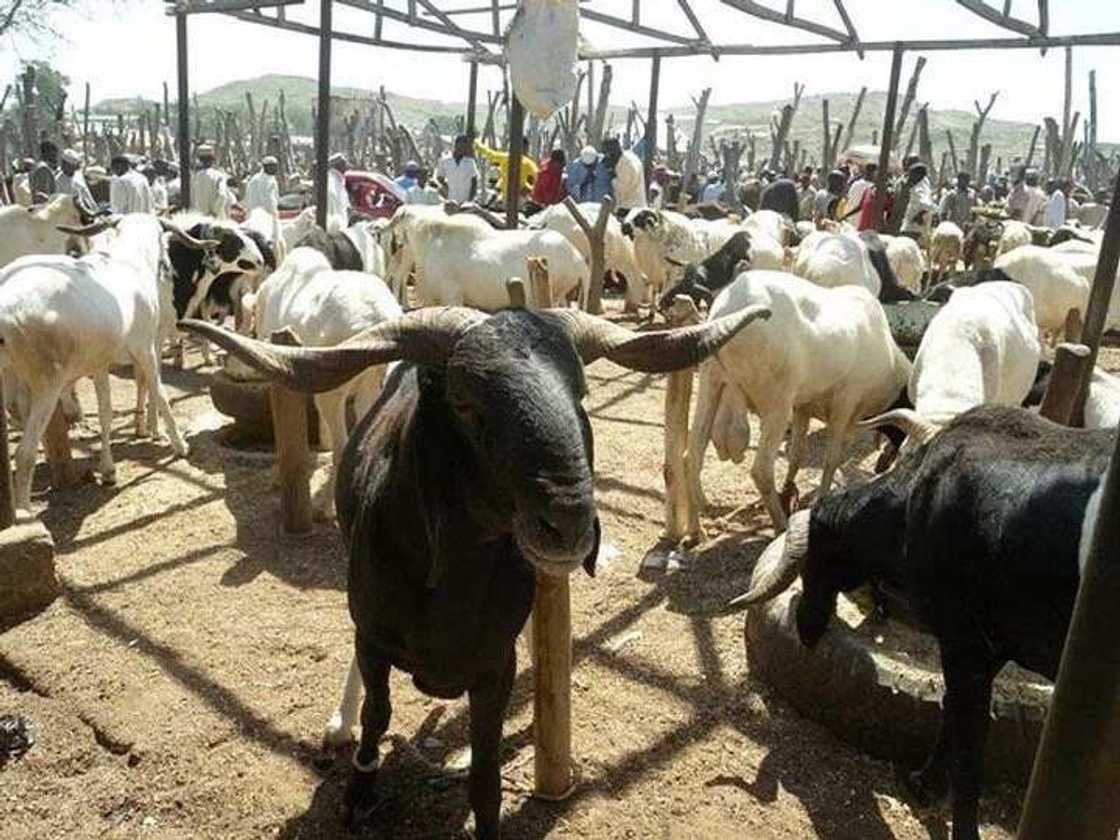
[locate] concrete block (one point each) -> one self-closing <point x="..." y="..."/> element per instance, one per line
<point x="28" y="583"/>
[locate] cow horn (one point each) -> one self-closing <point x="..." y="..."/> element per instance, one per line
<point x="92" y="229"/>
<point x="779" y="565"/>
<point x="184" y="238"/>
<point x="651" y="352"/>
<point x="915" y="426"/>
<point x="425" y="336"/>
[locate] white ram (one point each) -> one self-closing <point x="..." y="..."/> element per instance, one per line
<point x="945" y="249"/>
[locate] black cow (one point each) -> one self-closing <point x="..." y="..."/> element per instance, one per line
<point x="339" y="250"/>
<point x="704" y="279"/>
<point x="980" y="529"/>
<point x="472" y="470"/>
<point x="237" y="253"/>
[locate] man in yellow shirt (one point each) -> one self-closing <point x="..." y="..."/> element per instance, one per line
<point x="501" y="160"/>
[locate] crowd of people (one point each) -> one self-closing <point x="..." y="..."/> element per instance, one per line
<point x="473" y="172"/>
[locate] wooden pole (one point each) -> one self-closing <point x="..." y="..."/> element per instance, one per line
<point x="1072" y="792"/>
<point x="682" y="515"/>
<point x="552" y="678"/>
<point x="1070" y="367"/>
<point x="539" y="282"/>
<point x="516" y="147"/>
<point x="595" y="241"/>
<point x="289" y="429"/>
<point x="472" y="100"/>
<point x="7" y="504"/>
<point x="886" y="140"/>
<point x="1103" y="282"/>
<point x="651" y="118"/>
<point x="323" y="125"/>
<point x="184" y="111"/>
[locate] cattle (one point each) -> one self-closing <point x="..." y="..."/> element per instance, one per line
<point x="945" y="249"/>
<point x="472" y="472"/>
<point x="980" y="529"/>
<point x="34" y="230"/>
<point x="704" y="279"/>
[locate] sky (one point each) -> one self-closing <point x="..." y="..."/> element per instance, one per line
<point x="127" y="48"/>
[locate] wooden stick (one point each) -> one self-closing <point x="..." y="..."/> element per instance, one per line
<point x="515" y="288"/>
<point x="552" y="696"/>
<point x="539" y="283"/>
<point x="595" y="236"/>
<point x="855" y="116"/>
<point x="1071" y="365"/>
<point x="323" y="124"/>
<point x="289" y="429"/>
<point x="516" y="149"/>
<point x="885" y="146"/>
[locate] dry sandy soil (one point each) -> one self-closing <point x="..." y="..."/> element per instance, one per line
<point x="180" y="683"/>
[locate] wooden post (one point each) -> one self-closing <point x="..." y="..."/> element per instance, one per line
<point x="289" y="430"/>
<point x="651" y="118"/>
<point x="7" y="504"/>
<point x="1072" y="792"/>
<point x="855" y="116"/>
<point x="539" y="283"/>
<point x="1103" y="282"/>
<point x="682" y="514"/>
<point x="515" y="288"/>
<point x="472" y="100"/>
<point x="552" y="695"/>
<point x="1070" y="368"/>
<point x="516" y="148"/>
<point x="323" y="124"/>
<point x="184" y="111"/>
<point x="597" y="247"/>
<point x="886" y="142"/>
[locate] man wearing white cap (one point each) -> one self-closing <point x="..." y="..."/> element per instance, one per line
<point x="263" y="190"/>
<point x="210" y="193"/>
<point x="71" y="181"/>
<point x="338" y="199"/>
<point x="588" y="178"/>
<point x="129" y="191"/>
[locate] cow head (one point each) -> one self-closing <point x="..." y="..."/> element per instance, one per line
<point x="193" y="271"/>
<point x="642" y="218"/>
<point x="508" y="389"/>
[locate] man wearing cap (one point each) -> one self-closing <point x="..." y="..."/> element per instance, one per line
<point x="42" y="177"/>
<point x="920" y="207"/>
<point x="588" y="178"/>
<point x="658" y="189"/>
<point x="338" y="199"/>
<point x="713" y="189"/>
<point x="158" y="188"/>
<point x="71" y="181"/>
<point x="263" y="190"/>
<point x="457" y="172"/>
<point x="410" y="178"/>
<point x="129" y="191"/>
<point x="210" y="193"/>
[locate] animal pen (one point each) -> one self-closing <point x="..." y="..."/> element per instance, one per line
<point x="1059" y="783"/>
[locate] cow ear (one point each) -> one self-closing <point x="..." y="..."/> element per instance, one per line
<point x="593" y="555"/>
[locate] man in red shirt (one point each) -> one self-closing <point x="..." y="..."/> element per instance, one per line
<point x="549" y="186"/>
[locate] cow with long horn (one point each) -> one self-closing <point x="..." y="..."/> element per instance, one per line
<point x="980" y="529"/>
<point x="472" y="470"/>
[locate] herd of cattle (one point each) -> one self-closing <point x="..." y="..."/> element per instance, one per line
<point x="472" y="462"/>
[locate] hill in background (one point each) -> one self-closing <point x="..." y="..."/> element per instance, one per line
<point x="1009" y="139"/>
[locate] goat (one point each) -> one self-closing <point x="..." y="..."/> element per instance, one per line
<point x="945" y="249"/>
<point x="980" y="529"/>
<point x="62" y="319"/>
<point x="825" y="353"/>
<point x="473" y="469"/>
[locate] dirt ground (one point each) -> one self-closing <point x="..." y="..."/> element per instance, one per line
<point x="180" y="684"/>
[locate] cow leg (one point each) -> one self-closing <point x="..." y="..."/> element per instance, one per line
<point x="488" y="703"/>
<point x="38" y="416"/>
<point x="332" y="415"/>
<point x="105" y="419"/>
<point x="147" y="362"/>
<point x="968" y="699"/>
<point x="143" y="424"/>
<point x="340" y="728"/>
<point x="774" y="425"/>
<point x="795" y="456"/>
<point x="839" y="435"/>
<point x="359" y="799"/>
<point x="700" y="433"/>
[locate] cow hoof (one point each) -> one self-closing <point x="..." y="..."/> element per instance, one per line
<point x="336" y="735"/>
<point x="180" y="447"/>
<point x="109" y="477"/>
<point x="789" y="498"/>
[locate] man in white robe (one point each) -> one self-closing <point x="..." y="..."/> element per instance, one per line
<point x="129" y="191"/>
<point x="263" y="190"/>
<point x="338" y="199"/>
<point x="210" y="193"/>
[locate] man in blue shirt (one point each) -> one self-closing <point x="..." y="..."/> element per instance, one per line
<point x="410" y="178"/>
<point x="588" y="178"/>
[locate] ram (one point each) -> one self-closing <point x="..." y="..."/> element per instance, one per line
<point x="824" y="353"/>
<point x="472" y="473"/>
<point x="956" y="528"/>
<point x="62" y="319"/>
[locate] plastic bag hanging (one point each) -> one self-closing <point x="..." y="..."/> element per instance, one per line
<point x="542" y="46"/>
